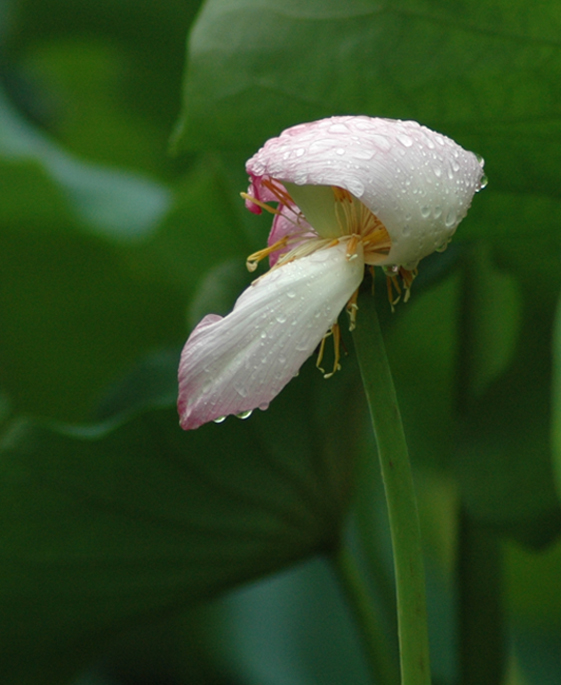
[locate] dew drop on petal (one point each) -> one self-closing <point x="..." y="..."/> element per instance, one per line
<point x="219" y="419"/>
<point x="425" y="211"/>
<point x="480" y="160"/>
<point x="291" y="294"/>
<point x="405" y="140"/>
<point x="241" y="390"/>
<point x="245" y="414"/>
<point x="363" y="153"/>
<point x="482" y="183"/>
<point x="338" y="128"/>
<point x="451" y="218"/>
<point x="281" y="318"/>
<point x="355" y="187"/>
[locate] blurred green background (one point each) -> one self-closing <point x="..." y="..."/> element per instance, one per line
<point x="121" y="534"/>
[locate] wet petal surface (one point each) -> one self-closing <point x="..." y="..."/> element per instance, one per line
<point x="238" y="363"/>
<point x="418" y="183"/>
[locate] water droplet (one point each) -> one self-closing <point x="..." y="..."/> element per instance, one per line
<point x="405" y="140"/>
<point x="451" y="218"/>
<point x="291" y="294"/>
<point x="392" y="270"/>
<point x="406" y="230"/>
<point x="241" y="390"/>
<point x="363" y="153"/>
<point x="355" y="187"/>
<point x="300" y="151"/>
<point x="425" y="211"/>
<point x="480" y="160"/>
<point x="437" y="212"/>
<point x="264" y="334"/>
<point x="245" y="414"/>
<point x="441" y="247"/>
<point x="340" y="150"/>
<point x="281" y="318"/>
<point x="338" y="128"/>
<point x="482" y="183"/>
<point x="219" y="419"/>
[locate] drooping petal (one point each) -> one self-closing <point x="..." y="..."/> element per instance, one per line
<point x="418" y="183"/>
<point x="235" y="364"/>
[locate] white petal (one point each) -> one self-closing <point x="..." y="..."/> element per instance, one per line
<point x="419" y="183"/>
<point x="238" y="363"/>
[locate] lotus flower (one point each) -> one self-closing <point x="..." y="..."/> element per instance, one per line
<point x="349" y="192"/>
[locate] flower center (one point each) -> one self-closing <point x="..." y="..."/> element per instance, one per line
<point x="335" y="215"/>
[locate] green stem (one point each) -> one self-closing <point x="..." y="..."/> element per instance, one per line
<point x="400" y="496"/>
<point x="378" y="651"/>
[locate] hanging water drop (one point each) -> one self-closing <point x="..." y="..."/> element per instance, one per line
<point x="244" y="414"/>
<point x="391" y="271"/>
<point x="482" y="183"/>
<point x="219" y="419"/>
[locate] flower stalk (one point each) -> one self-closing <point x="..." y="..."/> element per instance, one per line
<point x="400" y="496"/>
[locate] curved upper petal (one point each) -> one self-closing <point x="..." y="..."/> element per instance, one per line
<point x="419" y="183"/>
<point x="240" y="362"/>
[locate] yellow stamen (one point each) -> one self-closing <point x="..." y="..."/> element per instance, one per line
<point x="392" y="282"/>
<point x="335" y="331"/>
<point x="256" y="257"/>
<point x="352" y="244"/>
<point x="263" y="205"/>
<point x="279" y="192"/>
<point x="352" y="309"/>
<point x="341" y="195"/>
<point x="407" y="278"/>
